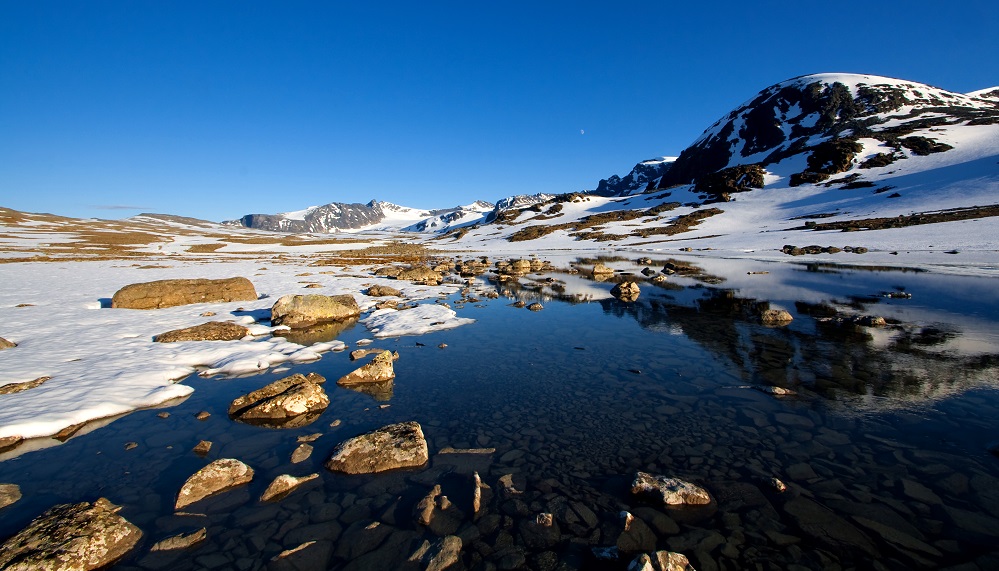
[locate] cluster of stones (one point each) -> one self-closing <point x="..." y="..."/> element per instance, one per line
<point x="792" y="250"/>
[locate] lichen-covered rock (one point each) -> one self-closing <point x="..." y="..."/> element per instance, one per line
<point x="669" y="491"/>
<point x="379" y="370"/>
<point x="11" y="388"/>
<point x="76" y="537"/>
<point x="626" y="291"/>
<point x="775" y="317"/>
<point x="170" y="293"/>
<point x="382" y="291"/>
<point x="219" y="476"/>
<point x="211" y="331"/>
<point x="284" y="485"/>
<point x="282" y="400"/>
<point x="420" y="275"/>
<point x="399" y="445"/>
<point x="298" y="311"/>
<point x="661" y="561"/>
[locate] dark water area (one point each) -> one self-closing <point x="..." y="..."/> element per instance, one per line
<point x="882" y="440"/>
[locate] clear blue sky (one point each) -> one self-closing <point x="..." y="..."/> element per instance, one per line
<point x="216" y="109"/>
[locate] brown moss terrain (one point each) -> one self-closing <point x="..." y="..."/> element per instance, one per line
<point x="903" y="221"/>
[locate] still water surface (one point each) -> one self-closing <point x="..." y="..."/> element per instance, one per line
<point x="884" y="447"/>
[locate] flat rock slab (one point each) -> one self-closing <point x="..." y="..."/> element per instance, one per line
<point x="298" y="311"/>
<point x="399" y="445"/>
<point x="382" y="291"/>
<point x="219" y="476"/>
<point x="171" y="293"/>
<point x="282" y="401"/>
<point x="211" y="331"/>
<point x="182" y="541"/>
<point x="76" y="537"/>
<point x="670" y="491"/>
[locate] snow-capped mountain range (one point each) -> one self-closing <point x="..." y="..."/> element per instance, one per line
<point x="829" y="148"/>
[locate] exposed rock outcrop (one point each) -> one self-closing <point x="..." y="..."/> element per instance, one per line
<point x="282" y="401"/>
<point x="421" y="275"/>
<point x="379" y="370"/>
<point x="382" y="291"/>
<point x="11" y="388"/>
<point x="399" y="445"/>
<point x="298" y="311"/>
<point x="668" y="491"/>
<point x="626" y="291"/>
<point x="170" y="293"/>
<point x="76" y="537"/>
<point x="9" y="494"/>
<point x="4" y="344"/>
<point x="211" y="331"/>
<point x="219" y="476"/>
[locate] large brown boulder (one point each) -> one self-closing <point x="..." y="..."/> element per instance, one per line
<point x="211" y="331"/>
<point x="76" y="537"/>
<point x="382" y="291"/>
<point x="219" y="476"/>
<point x="170" y="293"/>
<point x="283" y="400"/>
<point x="668" y="492"/>
<point x="626" y="291"/>
<point x="399" y="445"/>
<point x="297" y="311"/>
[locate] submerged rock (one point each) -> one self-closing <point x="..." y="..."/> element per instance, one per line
<point x="626" y="291"/>
<point x="211" y="331"/>
<point x="379" y="370"/>
<point x="282" y="401"/>
<point x="284" y="485"/>
<point x="171" y="293"/>
<point x="399" y="445"/>
<point x="670" y="491"/>
<point x="299" y="311"/>
<point x="76" y="537"/>
<point x="219" y="476"/>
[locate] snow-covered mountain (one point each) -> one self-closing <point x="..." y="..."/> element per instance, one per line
<point x="645" y="176"/>
<point x="336" y="217"/>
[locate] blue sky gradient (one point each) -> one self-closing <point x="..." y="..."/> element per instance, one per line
<point x="218" y="109"/>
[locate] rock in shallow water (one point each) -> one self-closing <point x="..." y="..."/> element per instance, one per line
<point x="399" y="445"/>
<point x="379" y="370"/>
<point x="9" y="494"/>
<point x="219" y="476"/>
<point x="661" y="561"/>
<point x="76" y="537"/>
<point x="284" y="485"/>
<point x="670" y="491"/>
<point x="297" y="311"/>
<point x="182" y="541"/>
<point x="282" y="400"/>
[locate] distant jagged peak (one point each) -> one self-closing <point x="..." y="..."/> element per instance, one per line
<point x="521" y="201"/>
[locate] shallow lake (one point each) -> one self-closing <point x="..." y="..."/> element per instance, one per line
<point x="882" y="440"/>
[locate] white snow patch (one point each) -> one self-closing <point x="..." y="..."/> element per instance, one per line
<point x="416" y="321"/>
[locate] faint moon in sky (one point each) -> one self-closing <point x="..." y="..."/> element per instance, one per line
<point x="582" y="132"/>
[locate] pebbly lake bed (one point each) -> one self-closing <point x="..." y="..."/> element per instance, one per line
<point x="879" y="430"/>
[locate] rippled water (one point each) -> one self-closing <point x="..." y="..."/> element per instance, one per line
<point x="884" y="448"/>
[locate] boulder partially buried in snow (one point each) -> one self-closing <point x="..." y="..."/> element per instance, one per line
<point x="75" y="537"/>
<point x="379" y="370"/>
<point x="670" y="492"/>
<point x="420" y="275"/>
<point x="170" y="293"/>
<point x="399" y="445"/>
<point x="211" y="331"/>
<point x="219" y="476"/>
<point x="297" y="311"/>
<point x="4" y="344"/>
<point x="282" y="401"/>
<point x="382" y="291"/>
